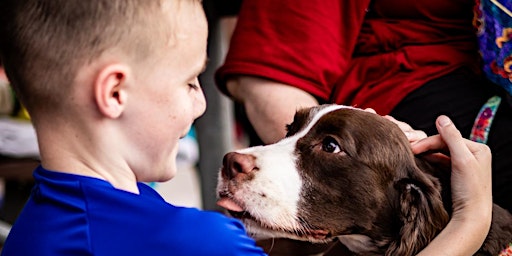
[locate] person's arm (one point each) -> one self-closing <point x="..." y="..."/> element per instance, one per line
<point x="471" y="190"/>
<point x="269" y="105"/>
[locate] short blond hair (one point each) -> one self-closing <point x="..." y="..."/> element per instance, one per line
<point x="45" y="42"/>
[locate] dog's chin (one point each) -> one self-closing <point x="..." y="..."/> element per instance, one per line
<point x="259" y="232"/>
<point x="259" y="229"/>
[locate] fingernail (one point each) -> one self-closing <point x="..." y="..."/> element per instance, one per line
<point x="444" y="121"/>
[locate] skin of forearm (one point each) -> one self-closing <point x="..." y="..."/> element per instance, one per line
<point x="269" y="105"/>
<point x="458" y="238"/>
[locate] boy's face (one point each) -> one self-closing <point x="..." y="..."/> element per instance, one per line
<point x="166" y="98"/>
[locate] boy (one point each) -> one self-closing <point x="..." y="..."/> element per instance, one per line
<point x="111" y="86"/>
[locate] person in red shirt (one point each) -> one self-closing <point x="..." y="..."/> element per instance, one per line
<point x="413" y="60"/>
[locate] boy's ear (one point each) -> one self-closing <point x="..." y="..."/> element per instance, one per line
<point x="110" y="90"/>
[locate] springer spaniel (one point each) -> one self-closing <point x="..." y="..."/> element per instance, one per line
<point x="346" y="174"/>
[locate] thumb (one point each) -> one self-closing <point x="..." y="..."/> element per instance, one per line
<point x="452" y="137"/>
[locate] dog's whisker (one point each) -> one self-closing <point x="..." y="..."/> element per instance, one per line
<point x="272" y="245"/>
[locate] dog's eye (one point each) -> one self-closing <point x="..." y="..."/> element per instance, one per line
<point x="330" y="145"/>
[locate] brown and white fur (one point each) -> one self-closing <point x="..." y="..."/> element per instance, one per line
<point x="342" y="173"/>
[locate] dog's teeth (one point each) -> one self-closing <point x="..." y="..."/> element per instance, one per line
<point x="229" y="205"/>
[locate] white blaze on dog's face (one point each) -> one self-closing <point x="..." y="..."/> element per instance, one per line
<point x="283" y="189"/>
<point x="270" y="191"/>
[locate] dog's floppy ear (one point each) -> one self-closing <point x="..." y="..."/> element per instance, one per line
<point x="421" y="212"/>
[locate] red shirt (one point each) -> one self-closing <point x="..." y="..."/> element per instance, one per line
<point x="352" y="52"/>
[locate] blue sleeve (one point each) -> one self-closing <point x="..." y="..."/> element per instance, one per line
<point x="226" y="236"/>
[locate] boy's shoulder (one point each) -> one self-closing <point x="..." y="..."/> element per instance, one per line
<point x="93" y="212"/>
<point x="212" y="233"/>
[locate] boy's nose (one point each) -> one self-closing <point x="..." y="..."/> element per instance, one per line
<point x="200" y="104"/>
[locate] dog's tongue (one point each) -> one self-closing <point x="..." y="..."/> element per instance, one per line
<point x="229" y="204"/>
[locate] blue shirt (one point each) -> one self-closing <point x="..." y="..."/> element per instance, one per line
<point x="69" y="214"/>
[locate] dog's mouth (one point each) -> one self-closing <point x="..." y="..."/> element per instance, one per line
<point x="234" y="208"/>
<point x="237" y="211"/>
<point x="230" y="205"/>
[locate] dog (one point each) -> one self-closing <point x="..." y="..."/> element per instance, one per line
<point x="344" y="174"/>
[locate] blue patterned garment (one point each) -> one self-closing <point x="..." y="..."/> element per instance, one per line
<point x="493" y="19"/>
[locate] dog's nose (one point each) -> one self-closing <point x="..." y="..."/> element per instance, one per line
<point x="236" y="163"/>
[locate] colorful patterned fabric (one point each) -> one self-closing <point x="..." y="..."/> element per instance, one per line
<point x="483" y="121"/>
<point x="493" y="20"/>
<point x="507" y="251"/>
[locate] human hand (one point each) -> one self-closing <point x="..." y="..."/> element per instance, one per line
<point x="413" y="135"/>
<point x="471" y="187"/>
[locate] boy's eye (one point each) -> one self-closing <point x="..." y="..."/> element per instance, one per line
<point x="193" y="85"/>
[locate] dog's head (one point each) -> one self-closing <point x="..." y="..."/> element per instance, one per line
<point x="340" y="172"/>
